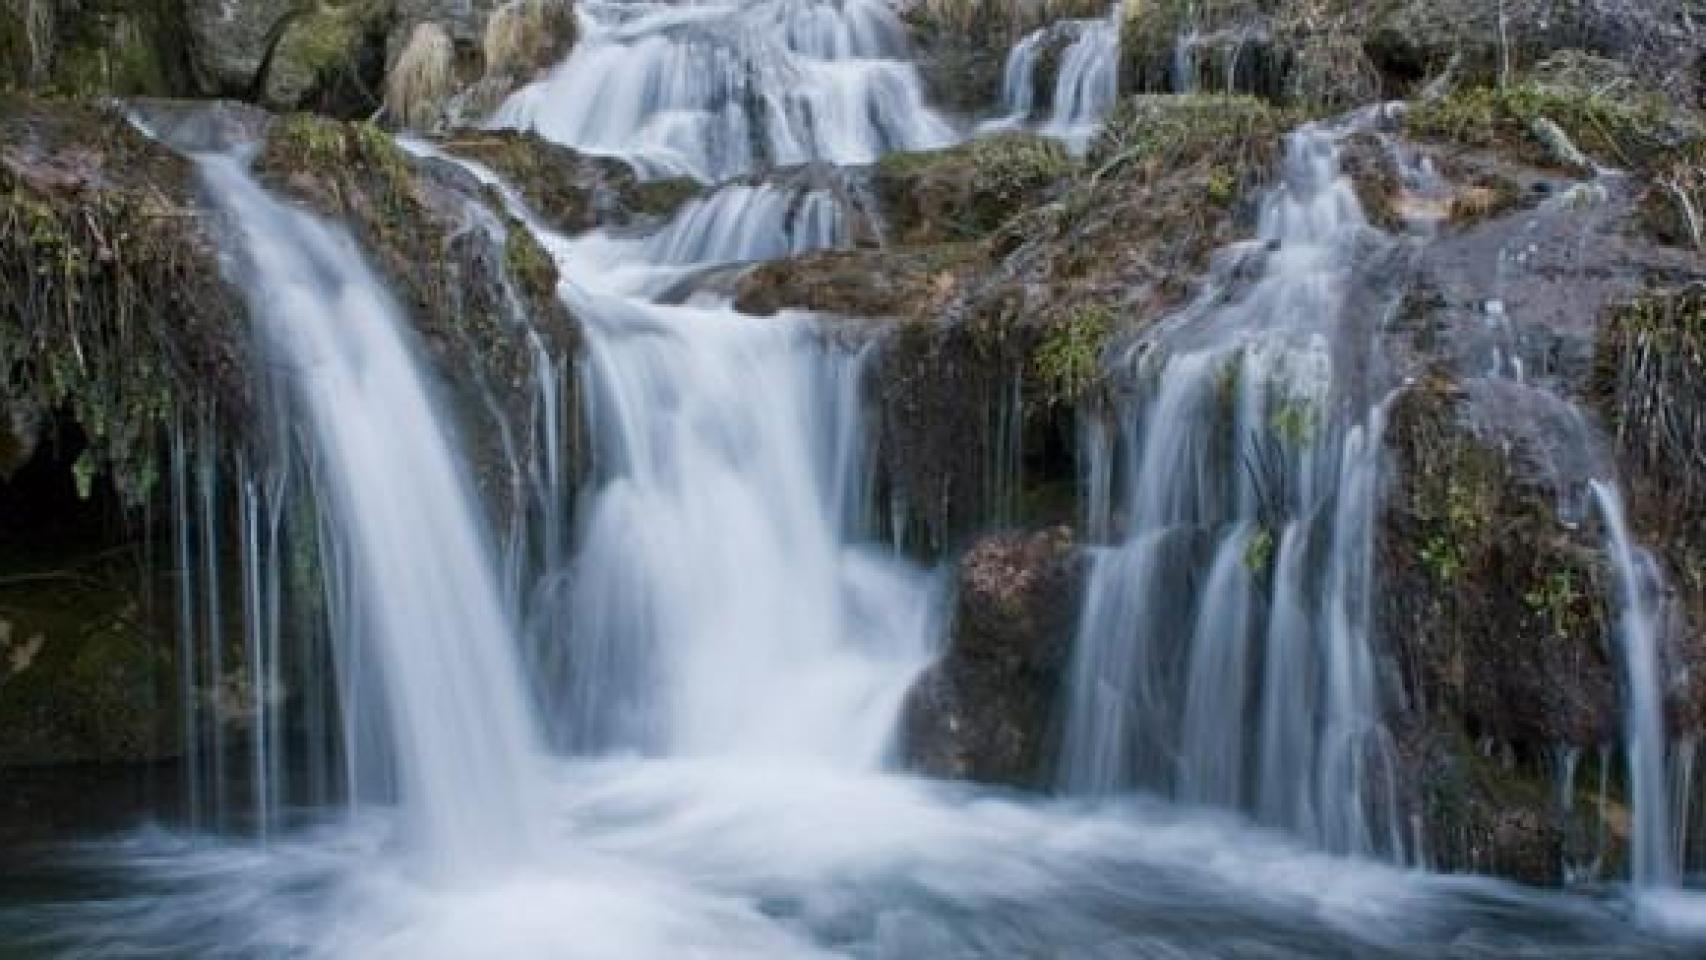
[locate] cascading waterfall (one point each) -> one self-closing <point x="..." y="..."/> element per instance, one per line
<point x="736" y="646"/>
<point x="714" y="90"/>
<point x="720" y="592"/>
<point x="429" y="611"/>
<point x="1223" y="653"/>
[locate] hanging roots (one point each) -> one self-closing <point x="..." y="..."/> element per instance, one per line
<point x="524" y="35"/>
<point x="420" y="80"/>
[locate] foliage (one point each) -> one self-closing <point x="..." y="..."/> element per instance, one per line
<point x="1222" y="134"/>
<point x="968" y="191"/>
<point x="1068" y="361"/>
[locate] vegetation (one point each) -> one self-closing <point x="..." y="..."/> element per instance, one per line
<point x="524" y="35"/>
<point x="1068" y="361"/>
<point x="968" y="191"/>
<point x="421" y="79"/>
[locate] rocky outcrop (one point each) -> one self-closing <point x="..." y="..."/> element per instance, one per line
<point x="986" y="710"/>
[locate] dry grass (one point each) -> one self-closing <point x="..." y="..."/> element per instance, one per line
<point x="421" y="79"/>
<point x="39" y="32"/>
<point x="523" y="36"/>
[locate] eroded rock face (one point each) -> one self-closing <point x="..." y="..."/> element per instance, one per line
<point x="985" y="711"/>
<point x="231" y="39"/>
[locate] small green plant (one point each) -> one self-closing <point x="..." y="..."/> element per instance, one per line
<point x="1555" y="598"/>
<point x="1069" y="359"/>
<point x="1259" y="551"/>
<point x="1294" y="421"/>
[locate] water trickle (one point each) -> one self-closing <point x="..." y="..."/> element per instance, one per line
<point x="1651" y="844"/>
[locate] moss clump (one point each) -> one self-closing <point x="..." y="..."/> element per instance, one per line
<point x="968" y="191"/>
<point x="1634" y="132"/>
<point x="1068" y="360"/>
<point x="329" y="57"/>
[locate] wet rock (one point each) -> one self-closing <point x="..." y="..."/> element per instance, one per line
<point x="329" y="58"/>
<point x="571" y="191"/>
<point x="985" y="711"/>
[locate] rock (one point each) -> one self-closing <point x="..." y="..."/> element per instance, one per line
<point x="329" y="58"/>
<point x="230" y="39"/>
<point x="984" y="712"/>
<point x="571" y="191"/>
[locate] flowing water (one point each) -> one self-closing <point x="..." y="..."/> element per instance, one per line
<point x="704" y="778"/>
<point x="1085" y="86"/>
<point x="1223" y="654"/>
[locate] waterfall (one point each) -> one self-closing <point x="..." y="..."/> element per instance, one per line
<point x="1086" y="84"/>
<point x="723" y="604"/>
<point x="1223" y="652"/>
<point x="1651" y="846"/>
<point x="711" y="91"/>
<point x="427" y="608"/>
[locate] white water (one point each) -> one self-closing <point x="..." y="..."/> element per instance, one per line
<point x="429" y="612"/>
<point x="1247" y="455"/>
<point x="712" y="90"/>
<point x="1651" y="845"/>
<point x="721" y="589"/>
<point x="1085" y="88"/>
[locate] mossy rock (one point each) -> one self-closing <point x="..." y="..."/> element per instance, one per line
<point x="329" y="57"/>
<point x="968" y="191"/>
<point x="1497" y="606"/>
<point x="453" y="283"/>
<point x="118" y="317"/>
<point x="1636" y="133"/>
<point x="915" y="283"/>
<point x="1650" y="383"/>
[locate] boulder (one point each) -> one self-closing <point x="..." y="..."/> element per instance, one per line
<point x="985" y="711"/>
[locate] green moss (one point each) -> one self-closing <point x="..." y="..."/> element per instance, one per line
<point x="1259" y="552"/>
<point x="528" y="265"/>
<point x="969" y="191"/>
<point x="1068" y="361"/>
<point x="1631" y="132"/>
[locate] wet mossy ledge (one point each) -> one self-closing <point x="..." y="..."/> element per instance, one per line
<point x="1010" y="270"/>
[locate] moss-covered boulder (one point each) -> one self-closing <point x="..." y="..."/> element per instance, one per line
<point x="985" y="711"/>
<point x="96" y="47"/>
<point x="968" y="191"/>
<point x="1498" y="614"/>
<point x="328" y="57"/>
